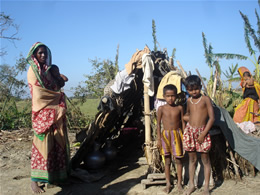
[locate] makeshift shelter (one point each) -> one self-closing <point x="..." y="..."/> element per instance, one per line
<point x="130" y="97"/>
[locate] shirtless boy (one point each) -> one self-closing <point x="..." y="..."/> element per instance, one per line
<point x="196" y="138"/>
<point x="170" y="139"/>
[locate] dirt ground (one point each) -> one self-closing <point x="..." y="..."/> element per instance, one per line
<point x="122" y="176"/>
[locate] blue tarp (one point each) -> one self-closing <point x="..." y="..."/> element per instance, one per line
<point x="245" y="145"/>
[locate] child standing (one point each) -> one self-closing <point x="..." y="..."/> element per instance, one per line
<point x="196" y="138"/>
<point x="170" y="139"/>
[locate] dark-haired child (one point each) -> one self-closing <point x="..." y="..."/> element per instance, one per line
<point x="170" y="139"/>
<point x="59" y="79"/>
<point x="196" y="138"/>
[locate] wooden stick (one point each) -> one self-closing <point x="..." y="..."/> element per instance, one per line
<point x="203" y="84"/>
<point x="234" y="161"/>
<point x="184" y="73"/>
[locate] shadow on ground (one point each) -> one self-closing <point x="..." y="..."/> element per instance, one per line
<point x="115" y="180"/>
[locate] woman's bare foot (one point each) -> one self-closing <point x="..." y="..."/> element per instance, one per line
<point x="35" y="188"/>
<point x="167" y="189"/>
<point x="190" y="190"/>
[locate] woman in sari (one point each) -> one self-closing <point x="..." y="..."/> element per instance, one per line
<point x="248" y="109"/>
<point x="50" y="147"/>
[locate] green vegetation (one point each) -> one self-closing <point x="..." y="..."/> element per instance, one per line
<point x="88" y="108"/>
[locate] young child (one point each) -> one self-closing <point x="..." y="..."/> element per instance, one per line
<point x="170" y="139"/>
<point x="59" y="79"/>
<point x="200" y="117"/>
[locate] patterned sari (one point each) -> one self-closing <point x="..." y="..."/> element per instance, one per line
<point x="243" y="112"/>
<point x="50" y="147"/>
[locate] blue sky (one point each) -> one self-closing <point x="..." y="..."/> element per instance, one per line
<point x="77" y="31"/>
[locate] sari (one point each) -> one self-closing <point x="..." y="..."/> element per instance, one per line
<point x="243" y="112"/>
<point x="50" y="147"/>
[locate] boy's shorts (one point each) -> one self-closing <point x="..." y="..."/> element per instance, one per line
<point x="172" y="143"/>
<point x="190" y="137"/>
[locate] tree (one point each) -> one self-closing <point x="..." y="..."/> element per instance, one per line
<point x="231" y="75"/>
<point x="7" y="24"/>
<point x="116" y="60"/>
<point x="10" y="85"/>
<point x="255" y="35"/>
<point x="103" y="72"/>
<point x="212" y="59"/>
<point x="154" y="36"/>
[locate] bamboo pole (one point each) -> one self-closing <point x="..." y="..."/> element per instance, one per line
<point x="171" y="66"/>
<point x="184" y="73"/>
<point x="147" y="126"/>
<point x="214" y="85"/>
<point x="204" y="86"/>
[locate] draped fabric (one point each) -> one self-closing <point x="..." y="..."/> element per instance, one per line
<point x="50" y="147"/>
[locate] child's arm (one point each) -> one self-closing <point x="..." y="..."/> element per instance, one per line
<point x="159" y="118"/>
<point x="182" y="119"/>
<point x="187" y="114"/>
<point x="210" y="120"/>
<point x="249" y="83"/>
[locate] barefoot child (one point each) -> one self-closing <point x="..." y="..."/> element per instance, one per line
<point x="196" y="138"/>
<point x="170" y="139"/>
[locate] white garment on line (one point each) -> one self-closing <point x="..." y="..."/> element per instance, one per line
<point x="122" y="81"/>
<point x="148" y="67"/>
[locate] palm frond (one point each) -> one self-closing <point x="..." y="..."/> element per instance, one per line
<point x="234" y="79"/>
<point x="258" y="23"/>
<point x="248" y="43"/>
<point x="230" y="56"/>
<point x="206" y="50"/>
<point x="251" y="31"/>
<point x="217" y="65"/>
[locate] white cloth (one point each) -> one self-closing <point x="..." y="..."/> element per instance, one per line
<point x="158" y="103"/>
<point x="246" y="126"/>
<point x="122" y="81"/>
<point x="148" y="67"/>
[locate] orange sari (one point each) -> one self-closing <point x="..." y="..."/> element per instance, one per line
<point x="243" y="112"/>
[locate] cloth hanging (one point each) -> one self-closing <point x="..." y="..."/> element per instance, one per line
<point x="172" y="77"/>
<point x="122" y="81"/>
<point x="148" y="68"/>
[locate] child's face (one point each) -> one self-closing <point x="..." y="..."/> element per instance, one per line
<point x="194" y="91"/>
<point x="170" y="96"/>
<point x="246" y="77"/>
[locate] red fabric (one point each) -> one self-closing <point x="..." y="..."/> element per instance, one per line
<point x="42" y="120"/>
<point x="190" y="137"/>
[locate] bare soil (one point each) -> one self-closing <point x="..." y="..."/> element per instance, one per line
<point x="122" y="176"/>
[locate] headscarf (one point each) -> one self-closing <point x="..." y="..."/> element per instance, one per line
<point x="39" y="72"/>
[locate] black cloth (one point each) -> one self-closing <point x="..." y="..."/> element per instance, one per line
<point x="250" y="93"/>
